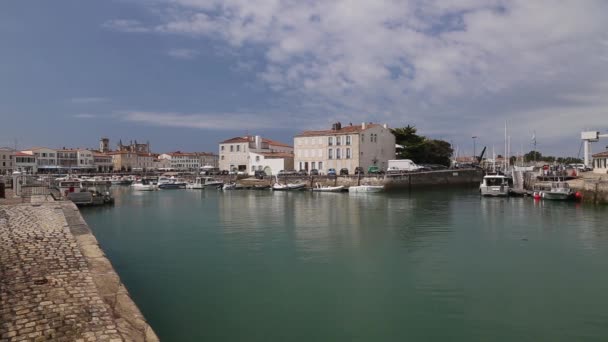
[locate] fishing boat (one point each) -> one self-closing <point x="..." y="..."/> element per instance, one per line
<point x="145" y="185"/>
<point x="320" y="188"/>
<point x="366" y="188"/>
<point x="170" y="183"/>
<point x="495" y="185"/>
<point x="204" y="182"/>
<point x="69" y="185"/>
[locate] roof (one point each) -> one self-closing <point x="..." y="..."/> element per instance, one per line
<point x="6" y="149"/>
<point x="180" y="153"/>
<point x="22" y="154"/>
<point x="36" y="148"/>
<point x="601" y="155"/>
<point x="251" y="138"/>
<point x="277" y="155"/>
<point x="351" y="129"/>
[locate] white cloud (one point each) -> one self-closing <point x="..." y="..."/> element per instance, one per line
<point x="442" y="65"/>
<point x="183" y="53"/>
<point x="85" y="116"/>
<point x="215" y="121"/>
<point x="88" y="100"/>
<point x="125" y="25"/>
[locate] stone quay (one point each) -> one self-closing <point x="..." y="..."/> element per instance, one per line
<point x="56" y="283"/>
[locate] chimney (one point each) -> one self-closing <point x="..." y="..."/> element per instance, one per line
<point x="336" y="126"/>
<point x="363" y="125"/>
<point x="258" y="142"/>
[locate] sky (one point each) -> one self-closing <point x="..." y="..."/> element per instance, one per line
<point x="186" y="74"/>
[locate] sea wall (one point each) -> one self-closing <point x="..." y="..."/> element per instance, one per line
<point x="460" y="177"/>
<point x="57" y="284"/>
<point x="594" y="191"/>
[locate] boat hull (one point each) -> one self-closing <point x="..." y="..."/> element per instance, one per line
<point x="288" y="187"/>
<point x="329" y="189"/>
<point x="557" y="196"/>
<point x="492" y="191"/>
<point x="366" y="189"/>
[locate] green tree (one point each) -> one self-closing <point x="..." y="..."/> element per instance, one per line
<point x="533" y="156"/>
<point x="420" y="149"/>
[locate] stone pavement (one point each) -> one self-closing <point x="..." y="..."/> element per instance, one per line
<point x="55" y="282"/>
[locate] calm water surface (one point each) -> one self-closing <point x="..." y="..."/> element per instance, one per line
<point x="433" y="265"/>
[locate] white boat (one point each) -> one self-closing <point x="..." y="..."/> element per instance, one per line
<point x="494" y="185"/>
<point x="145" y="185"/>
<point x="288" y="186"/>
<point x="559" y="191"/>
<point x="366" y="188"/>
<point x="204" y="182"/>
<point x="229" y="186"/>
<point x="69" y="185"/>
<point x="320" y="188"/>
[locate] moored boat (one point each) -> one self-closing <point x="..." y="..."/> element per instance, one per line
<point x="366" y="188"/>
<point x="559" y="191"/>
<point x="494" y="185"/>
<point x="320" y="188"/>
<point x="145" y="185"/>
<point x="204" y="182"/>
<point x="288" y="186"/>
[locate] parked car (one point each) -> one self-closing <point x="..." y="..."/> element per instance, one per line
<point x="331" y="172"/>
<point x="344" y="172"/>
<point x="359" y="171"/>
<point x="314" y="172"/>
<point x="302" y="172"/>
<point x="259" y="174"/>
<point x="224" y="172"/>
<point x="287" y="172"/>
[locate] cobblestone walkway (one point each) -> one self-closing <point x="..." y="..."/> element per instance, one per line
<point x="46" y="289"/>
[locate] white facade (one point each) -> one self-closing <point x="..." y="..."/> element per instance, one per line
<point x="7" y="160"/>
<point x="46" y="158"/>
<point x="234" y="153"/>
<point x="182" y="161"/>
<point x="270" y="162"/>
<point x="347" y="147"/>
<point x="85" y="159"/>
<point x="600" y="163"/>
<point x="25" y="163"/>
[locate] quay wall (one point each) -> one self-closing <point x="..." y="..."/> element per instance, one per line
<point x="55" y="281"/>
<point x="459" y="177"/>
<point x="594" y="191"/>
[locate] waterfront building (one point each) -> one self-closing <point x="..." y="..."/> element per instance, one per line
<point x="103" y="162"/>
<point x="131" y="161"/>
<point x="600" y="162"/>
<point x="46" y="158"/>
<point x="182" y="161"/>
<point x="133" y="147"/>
<point x="104" y="145"/>
<point x="349" y="147"/>
<point x="7" y="156"/>
<point x="207" y="159"/>
<point x="270" y="162"/>
<point x="25" y="162"/>
<point x="234" y="152"/>
<point x="67" y="158"/>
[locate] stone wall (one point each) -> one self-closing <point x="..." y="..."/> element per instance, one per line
<point x="56" y="283"/>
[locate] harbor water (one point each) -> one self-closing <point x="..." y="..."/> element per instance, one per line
<point x="437" y="265"/>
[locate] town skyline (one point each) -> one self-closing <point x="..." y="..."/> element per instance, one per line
<point x="187" y="73"/>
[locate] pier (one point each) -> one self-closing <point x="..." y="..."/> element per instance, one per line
<point x="55" y="281"/>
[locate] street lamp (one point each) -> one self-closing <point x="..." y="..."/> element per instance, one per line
<point x="474" y="147"/>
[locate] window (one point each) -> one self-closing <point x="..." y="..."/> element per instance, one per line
<point x="330" y="154"/>
<point x="362" y="137"/>
<point x="222" y="157"/>
<point x="300" y="166"/>
<point x="312" y="165"/>
<point x="320" y="165"/>
<point x="231" y="148"/>
<point x="222" y="148"/>
<point x="338" y="153"/>
<point x="330" y="141"/>
<point x="257" y="158"/>
<point x="338" y="140"/>
<point x="348" y="153"/>
<point x="252" y="168"/>
<point x="348" y="140"/>
<point x="238" y="148"/>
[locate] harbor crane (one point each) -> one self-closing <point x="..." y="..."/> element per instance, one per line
<point x="587" y="138"/>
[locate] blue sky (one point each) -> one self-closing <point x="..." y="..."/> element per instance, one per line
<point x="185" y="74"/>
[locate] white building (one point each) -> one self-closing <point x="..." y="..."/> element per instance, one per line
<point x="182" y="161"/>
<point x="347" y="147"/>
<point x="600" y="162"/>
<point x="207" y="159"/>
<point x="46" y="158"/>
<point x="235" y="153"/>
<point x="25" y="163"/>
<point x="7" y="160"/>
<point x="103" y="162"/>
<point x="85" y="160"/>
<point x="270" y="162"/>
